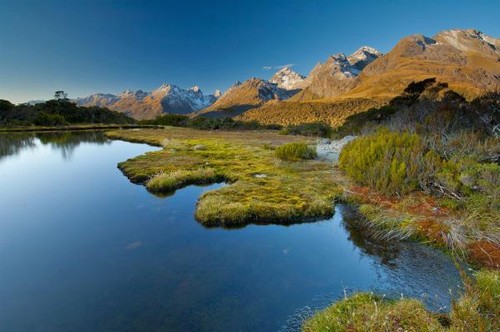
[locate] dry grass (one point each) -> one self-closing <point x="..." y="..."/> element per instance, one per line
<point x="263" y="188"/>
<point x="333" y="112"/>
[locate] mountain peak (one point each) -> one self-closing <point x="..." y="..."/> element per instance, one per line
<point x="167" y="98"/>
<point x="469" y="40"/>
<point x="288" y="79"/>
<point x="363" y="56"/>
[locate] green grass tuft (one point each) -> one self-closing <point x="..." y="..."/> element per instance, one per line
<point x="295" y="151"/>
<point x="478" y="309"/>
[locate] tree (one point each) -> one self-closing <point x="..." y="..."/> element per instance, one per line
<point x="60" y="95"/>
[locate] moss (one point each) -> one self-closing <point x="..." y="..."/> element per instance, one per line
<point x="263" y="189"/>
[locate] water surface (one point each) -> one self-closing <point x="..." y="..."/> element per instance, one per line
<point x="83" y="249"/>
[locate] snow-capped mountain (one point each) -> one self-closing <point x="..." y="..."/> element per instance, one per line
<point x="338" y="74"/>
<point x="288" y="79"/>
<point x="363" y="56"/>
<point x="167" y="98"/>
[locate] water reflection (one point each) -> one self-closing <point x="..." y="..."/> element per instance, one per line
<point x="85" y="250"/>
<point x="65" y="142"/>
<point x="13" y="144"/>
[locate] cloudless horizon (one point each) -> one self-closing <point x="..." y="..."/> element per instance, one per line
<point x="85" y="47"/>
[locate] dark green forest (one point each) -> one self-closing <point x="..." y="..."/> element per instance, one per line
<point x="57" y="112"/>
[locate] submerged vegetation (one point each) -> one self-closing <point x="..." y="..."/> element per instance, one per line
<point x="476" y="310"/>
<point x="263" y="188"/>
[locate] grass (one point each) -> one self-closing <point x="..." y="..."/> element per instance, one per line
<point x="478" y="309"/>
<point x="295" y="151"/>
<point x="427" y="219"/>
<point x="262" y="188"/>
<point x="368" y="312"/>
<point x="333" y="112"/>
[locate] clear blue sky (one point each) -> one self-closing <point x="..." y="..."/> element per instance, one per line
<point x="92" y="46"/>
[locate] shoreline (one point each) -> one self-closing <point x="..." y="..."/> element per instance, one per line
<point x="76" y="128"/>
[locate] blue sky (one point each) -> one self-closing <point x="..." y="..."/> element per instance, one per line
<point x="91" y="46"/>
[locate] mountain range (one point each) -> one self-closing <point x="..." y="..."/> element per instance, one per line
<point x="139" y="104"/>
<point x="467" y="60"/>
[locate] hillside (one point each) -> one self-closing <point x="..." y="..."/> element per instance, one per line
<point x="296" y="112"/>
<point x="468" y="61"/>
<point x="337" y="75"/>
<point x="244" y="96"/>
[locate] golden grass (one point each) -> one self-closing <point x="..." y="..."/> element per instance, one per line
<point x="331" y="111"/>
<point x="478" y="309"/>
<point x="368" y="312"/>
<point x="263" y="189"/>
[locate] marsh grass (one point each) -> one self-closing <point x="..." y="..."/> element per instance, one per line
<point x="369" y="312"/>
<point x="283" y="192"/>
<point x="295" y="151"/>
<point x="168" y="182"/>
<point x="478" y="309"/>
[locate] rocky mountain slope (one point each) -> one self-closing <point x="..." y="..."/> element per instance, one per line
<point x="244" y="96"/>
<point x="288" y="79"/>
<point x="139" y="104"/>
<point x="467" y="60"/>
<point x="338" y="74"/>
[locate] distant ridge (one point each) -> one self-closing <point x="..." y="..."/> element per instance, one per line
<point x="139" y="104"/>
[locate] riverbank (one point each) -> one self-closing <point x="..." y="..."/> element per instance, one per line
<point x="476" y="310"/>
<point x="262" y="188"/>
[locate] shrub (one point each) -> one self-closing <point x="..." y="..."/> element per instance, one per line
<point x="386" y="161"/>
<point x="295" y="151"/>
<point x="318" y="129"/>
<point x="47" y="119"/>
<point x="175" y="120"/>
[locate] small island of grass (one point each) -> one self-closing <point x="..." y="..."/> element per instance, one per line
<point x="262" y="187"/>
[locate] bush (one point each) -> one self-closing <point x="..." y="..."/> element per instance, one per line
<point x="295" y="151"/>
<point x="317" y="129"/>
<point x="203" y="123"/>
<point x="386" y="161"/>
<point x="175" y="120"/>
<point x="46" y="119"/>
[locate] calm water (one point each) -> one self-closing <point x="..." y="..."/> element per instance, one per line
<point x="83" y="249"/>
